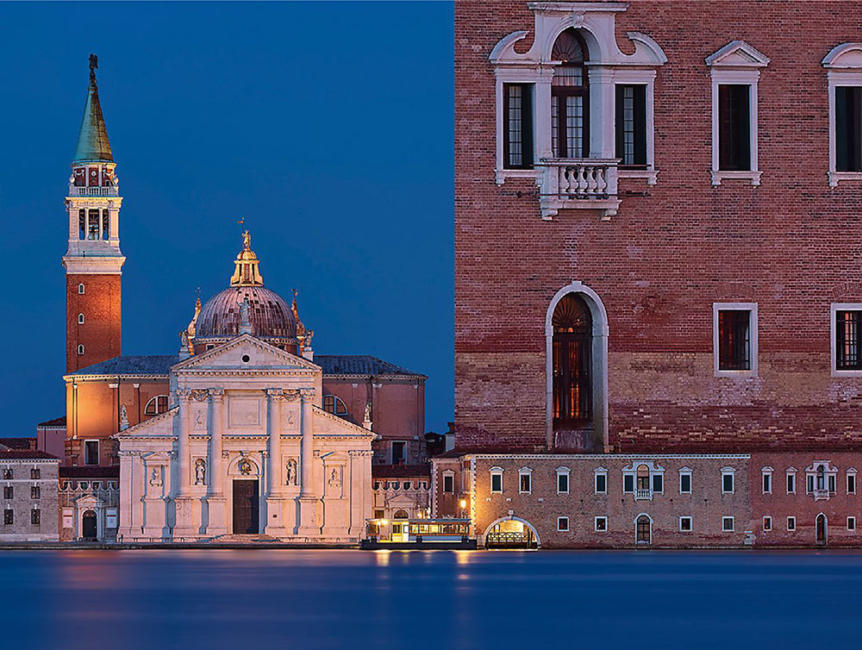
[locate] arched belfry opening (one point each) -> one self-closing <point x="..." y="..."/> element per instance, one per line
<point x="577" y="334"/>
<point x="570" y="100"/>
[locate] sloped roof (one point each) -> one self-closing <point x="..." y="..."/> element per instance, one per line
<point x="93" y="145"/>
<point x="149" y="364"/>
<point x="19" y="454"/>
<point x="17" y="443"/>
<point x="359" y="364"/>
<point x="56" y="422"/>
<point x="422" y="470"/>
<point x="90" y="471"/>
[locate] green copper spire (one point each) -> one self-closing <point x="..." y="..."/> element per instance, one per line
<point x="93" y="145"/>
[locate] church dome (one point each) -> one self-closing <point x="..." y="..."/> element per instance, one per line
<point x="268" y="314"/>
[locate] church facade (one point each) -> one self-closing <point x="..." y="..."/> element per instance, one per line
<point x="243" y="431"/>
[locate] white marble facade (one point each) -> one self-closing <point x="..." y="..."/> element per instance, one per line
<point x="246" y="424"/>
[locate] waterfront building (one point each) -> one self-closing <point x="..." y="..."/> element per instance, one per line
<point x="655" y="258"/>
<point x="244" y="430"/>
<point x="29" y="481"/>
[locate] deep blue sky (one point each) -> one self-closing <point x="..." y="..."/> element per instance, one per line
<point x="328" y="126"/>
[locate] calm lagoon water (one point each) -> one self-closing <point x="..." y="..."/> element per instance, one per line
<point x="462" y="599"/>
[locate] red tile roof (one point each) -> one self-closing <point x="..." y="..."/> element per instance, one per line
<point x="18" y="443"/>
<point x="90" y="472"/>
<point x="401" y="471"/>
<point x="30" y="454"/>
<point x="56" y="422"/>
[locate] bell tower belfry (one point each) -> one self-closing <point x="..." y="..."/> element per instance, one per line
<point x="93" y="260"/>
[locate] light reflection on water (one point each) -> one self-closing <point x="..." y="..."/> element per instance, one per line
<point x="433" y="599"/>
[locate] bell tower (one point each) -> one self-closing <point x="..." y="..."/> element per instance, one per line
<point x="93" y="260"/>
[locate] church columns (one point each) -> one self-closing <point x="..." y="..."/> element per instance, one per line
<point x="127" y="515"/>
<point x="274" y="491"/>
<point x="184" y="525"/>
<point x="216" y="524"/>
<point x="308" y="501"/>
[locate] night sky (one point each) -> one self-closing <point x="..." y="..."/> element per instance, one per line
<point x="327" y="126"/>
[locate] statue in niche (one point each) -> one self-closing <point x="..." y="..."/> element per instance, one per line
<point x="200" y="471"/>
<point x="335" y="477"/>
<point x="368" y="411"/>
<point x="155" y="478"/>
<point x="244" y="467"/>
<point x="291" y="471"/>
<point x="124" y="418"/>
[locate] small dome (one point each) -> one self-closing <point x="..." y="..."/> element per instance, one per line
<point x="270" y="316"/>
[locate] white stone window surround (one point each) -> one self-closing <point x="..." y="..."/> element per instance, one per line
<point x="791" y="471"/>
<point x="751" y="307"/>
<point x="791" y="523"/>
<point x="737" y="63"/>
<point x="80" y="319"/>
<point x="85" y="447"/>
<point x="764" y="472"/>
<point x="80" y="349"/>
<point x="851" y="472"/>
<point x="654" y="470"/>
<point x="562" y="524"/>
<point x="767" y="522"/>
<point x="563" y="471"/>
<point x="690" y="524"/>
<point x="851" y="524"/>
<point x="728" y="471"/>
<point x="495" y="471"/>
<point x="727" y="524"/>
<point x="843" y="68"/>
<point x="451" y="475"/>
<point x="596" y="524"/>
<point x="81" y="288"/>
<point x="834" y="308"/>
<point x="607" y="66"/>
<point x="830" y="477"/>
<point x="600" y="471"/>
<point x="525" y="471"/>
<point x="685" y="471"/>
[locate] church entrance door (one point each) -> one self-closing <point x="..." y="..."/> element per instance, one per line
<point x="245" y="507"/>
<point x="88" y="525"/>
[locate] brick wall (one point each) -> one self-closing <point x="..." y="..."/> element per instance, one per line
<point x="658" y="265"/>
<point x="101" y="332"/>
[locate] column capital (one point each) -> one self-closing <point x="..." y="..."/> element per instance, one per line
<point x="274" y="393"/>
<point x="216" y="394"/>
<point x="184" y="393"/>
<point x="306" y="393"/>
<point x="291" y="394"/>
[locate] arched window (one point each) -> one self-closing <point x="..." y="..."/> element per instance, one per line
<point x="106" y="224"/>
<point x="80" y="319"/>
<point x="81" y="349"/>
<point x="821" y="478"/>
<point x="644" y="532"/>
<point x="573" y="326"/>
<point x="643" y="477"/>
<point x="158" y="404"/>
<point x="81" y="288"/>
<point x="334" y="404"/>
<point x="570" y="98"/>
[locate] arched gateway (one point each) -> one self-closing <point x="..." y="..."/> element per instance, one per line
<point x="511" y="532"/>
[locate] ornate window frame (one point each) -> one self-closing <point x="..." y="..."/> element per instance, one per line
<point x="790" y="471"/>
<point x="764" y="472"/>
<point x="731" y="472"/>
<point x="736" y="63"/>
<point x="600" y="471"/>
<point x="564" y="471"/>
<point x="851" y="471"/>
<point x="685" y="471"/>
<point x="843" y="68"/>
<point x="607" y="66"/>
<point x="525" y="471"/>
<point x="495" y="471"/>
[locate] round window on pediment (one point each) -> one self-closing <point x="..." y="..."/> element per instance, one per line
<point x="246" y="358"/>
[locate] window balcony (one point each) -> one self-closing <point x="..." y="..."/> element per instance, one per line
<point x="643" y="495"/>
<point x="93" y="191"/>
<point x="821" y="494"/>
<point x="579" y="183"/>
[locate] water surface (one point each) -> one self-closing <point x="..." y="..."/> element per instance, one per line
<point x="461" y="599"/>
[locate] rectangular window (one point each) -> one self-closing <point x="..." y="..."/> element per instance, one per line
<point x="851" y="523"/>
<point x="35" y="492"/>
<point x="496" y="482"/>
<point x="848" y="128"/>
<point x="600" y="524"/>
<point x="657" y="483"/>
<point x="80" y="177"/>
<point x="35" y="517"/>
<point x="727" y="524"/>
<point x="517" y="126"/>
<point x="685" y="483"/>
<point x="628" y="483"/>
<point x="734" y="127"/>
<point x="848" y="340"/>
<point x="93" y="225"/>
<point x="91" y="452"/>
<point x="34" y="473"/>
<point x="685" y="524"/>
<point x="727" y="483"/>
<point x="8" y="492"/>
<point x="851" y="484"/>
<point x="767" y="523"/>
<point x="734" y="339"/>
<point x="831" y="479"/>
<point x="8" y="517"/>
<point x="397" y="453"/>
<point x="602" y="483"/>
<point x="791" y="523"/>
<point x="525" y="483"/>
<point x="7" y="474"/>
<point x="791" y="484"/>
<point x="448" y="483"/>
<point x="767" y="483"/>
<point x="810" y="483"/>
<point x="562" y="524"/>
<point x="631" y="125"/>
<point x="562" y="483"/>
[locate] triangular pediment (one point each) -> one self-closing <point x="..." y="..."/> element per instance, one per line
<point x="327" y="423"/>
<point x="245" y="352"/>
<point x="160" y="425"/>
<point x="737" y="54"/>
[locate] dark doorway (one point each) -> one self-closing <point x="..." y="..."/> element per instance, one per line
<point x="89" y="529"/>
<point x="245" y="507"/>
<point x="644" y="530"/>
<point x="821" y="529"/>
<point x="573" y="326"/>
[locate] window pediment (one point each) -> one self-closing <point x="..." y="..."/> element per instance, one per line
<point x="737" y="54"/>
<point x="846" y="55"/>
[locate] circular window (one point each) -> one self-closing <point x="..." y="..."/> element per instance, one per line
<point x="246" y="358"/>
